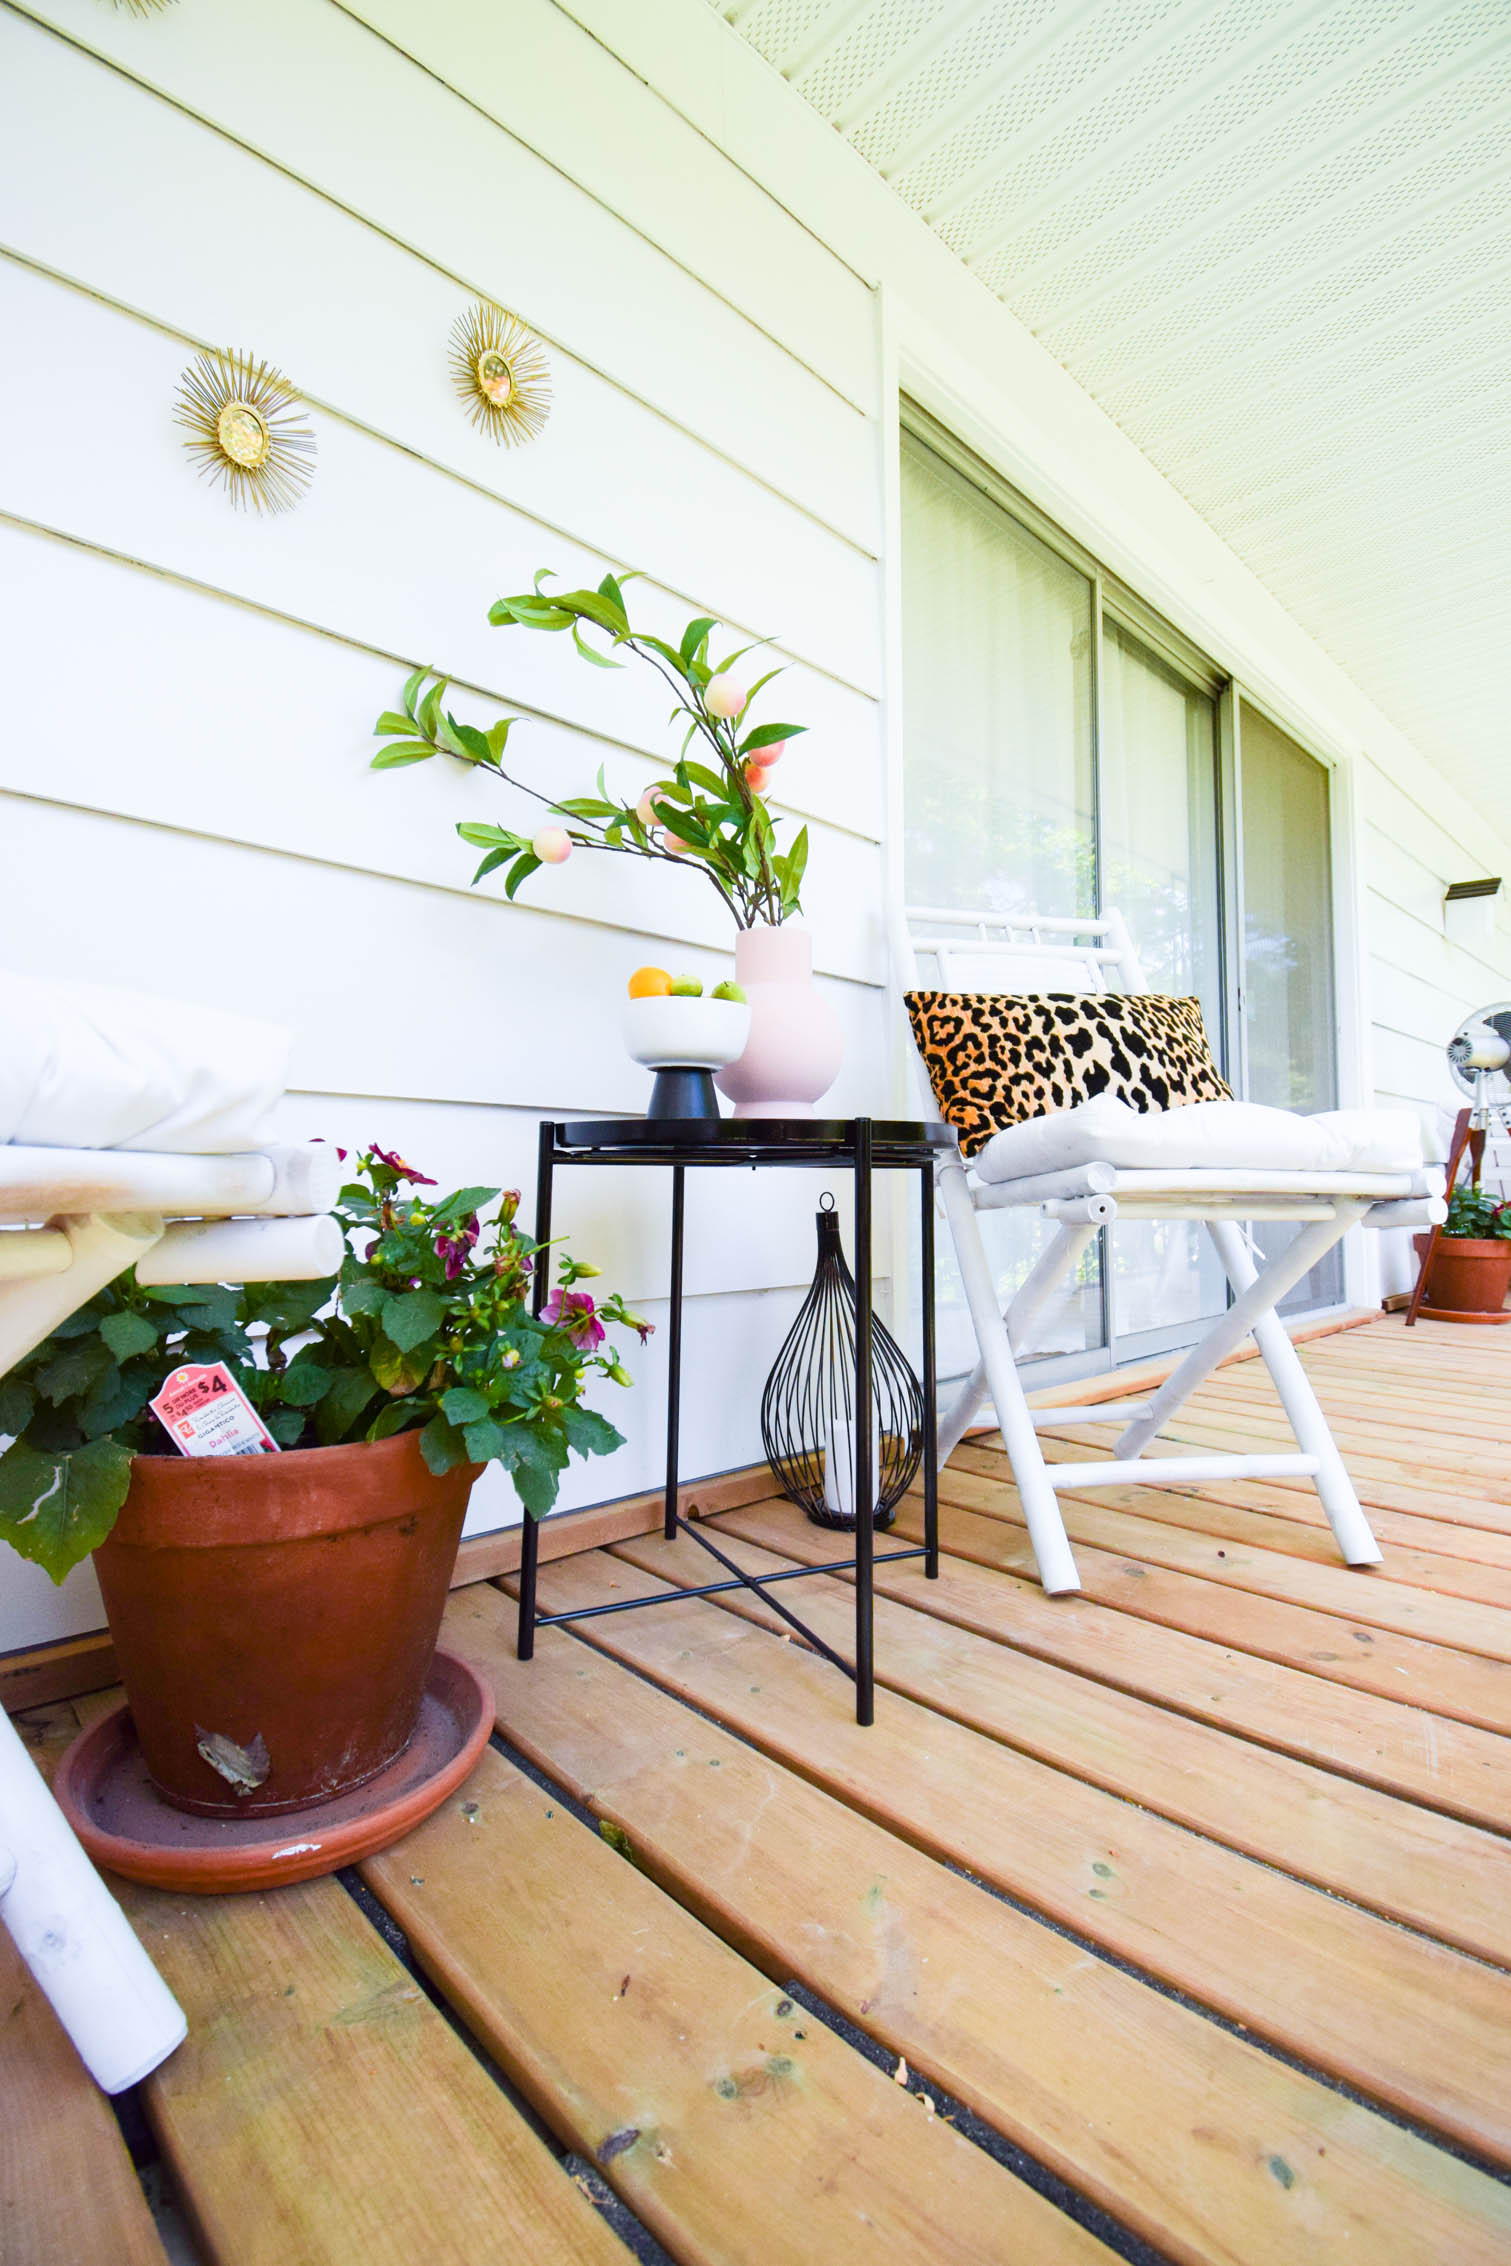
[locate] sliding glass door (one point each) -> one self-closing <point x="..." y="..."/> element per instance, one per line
<point x="1063" y="754"/>
<point x="1289" y="1010"/>
<point x="1159" y="865"/>
<point x="998" y="781"/>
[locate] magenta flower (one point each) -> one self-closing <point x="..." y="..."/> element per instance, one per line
<point x="456" y="1249"/>
<point x="395" y="1163"/>
<point x="574" y="1312"/>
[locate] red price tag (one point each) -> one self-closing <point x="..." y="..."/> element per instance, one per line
<point x="205" y="1413"/>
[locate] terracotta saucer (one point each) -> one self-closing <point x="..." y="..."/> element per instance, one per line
<point x="104" y="1792"/>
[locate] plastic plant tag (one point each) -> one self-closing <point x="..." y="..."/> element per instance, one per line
<point x="205" y="1413"/>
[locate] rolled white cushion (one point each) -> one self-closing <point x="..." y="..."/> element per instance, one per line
<point x="1241" y="1136"/>
<point x="85" y="1066"/>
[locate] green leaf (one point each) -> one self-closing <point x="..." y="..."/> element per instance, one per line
<point x="399" y="1373"/>
<point x="118" y="1398"/>
<point x="288" y="1307"/>
<point x="411" y="689"/>
<point x="56" y="1509"/>
<point x="360" y="1294"/>
<point x="520" y="872"/>
<point x="398" y="1416"/>
<point x="702" y="777"/>
<point x="462" y="1404"/>
<point x="588" y="652"/>
<point x="596" y="606"/>
<point x="484" y="1440"/>
<point x="490" y="864"/>
<point x="286" y="1425"/>
<point x="483" y="836"/>
<point x="497" y="736"/>
<point x="428" y="715"/>
<point x="534" y="1462"/>
<point x="463" y="1204"/>
<point x="401" y="753"/>
<point x="797" y="864"/>
<point x="391" y="725"/>
<point x="411" y="1316"/>
<point x="591" y="1434"/>
<point x="442" y="1445"/>
<point x="767" y="735"/>
<point x="213" y="1308"/>
<point x="128" y="1333"/>
<point x="695" y="633"/>
<point x="305" y="1381"/>
<point x="351" y="1391"/>
<point x="17" y="1400"/>
<point x="73" y="1370"/>
<point x="472" y="745"/>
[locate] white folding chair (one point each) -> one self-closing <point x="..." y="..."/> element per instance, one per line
<point x="991" y="952"/>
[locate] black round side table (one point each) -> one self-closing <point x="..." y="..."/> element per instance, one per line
<point x="862" y="1145"/>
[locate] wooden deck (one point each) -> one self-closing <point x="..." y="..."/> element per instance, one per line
<point x="1171" y="1921"/>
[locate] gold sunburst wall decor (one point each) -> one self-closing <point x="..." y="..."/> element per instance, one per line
<point x="501" y="373"/>
<point x="244" y="433"/>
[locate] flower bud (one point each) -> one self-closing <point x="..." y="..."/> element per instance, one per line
<point x="509" y="1206"/>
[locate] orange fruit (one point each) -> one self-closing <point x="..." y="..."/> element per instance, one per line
<point x="650" y="983"/>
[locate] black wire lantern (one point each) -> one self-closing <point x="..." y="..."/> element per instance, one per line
<point x="808" y="1407"/>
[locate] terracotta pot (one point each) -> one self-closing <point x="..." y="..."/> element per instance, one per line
<point x="794" y="1051"/>
<point x="288" y="1603"/>
<point x="1470" y="1274"/>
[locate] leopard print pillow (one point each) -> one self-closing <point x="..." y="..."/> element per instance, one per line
<point x="996" y="1060"/>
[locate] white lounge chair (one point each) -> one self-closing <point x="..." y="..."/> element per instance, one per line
<point x="1227" y="1164"/>
<point x="128" y="1136"/>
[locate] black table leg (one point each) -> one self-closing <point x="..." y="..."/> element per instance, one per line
<point x="529" y="1541"/>
<point x="930" y="1384"/>
<point x="865" y="1484"/>
<point x="674" y="1356"/>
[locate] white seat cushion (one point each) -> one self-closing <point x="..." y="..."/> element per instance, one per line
<point x="85" y="1066"/>
<point x="1231" y="1135"/>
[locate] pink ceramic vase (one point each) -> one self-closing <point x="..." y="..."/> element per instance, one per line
<point x="794" y="1050"/>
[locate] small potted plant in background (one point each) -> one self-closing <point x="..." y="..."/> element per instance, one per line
<point x="275" y="1615"/>
<point x="1470" y="1273"/>
<point x="708" y="813"/>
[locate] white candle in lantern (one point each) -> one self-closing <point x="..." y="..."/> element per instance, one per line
<point x="839" y="1467"/>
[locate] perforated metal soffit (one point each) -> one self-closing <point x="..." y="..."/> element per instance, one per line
<point x="1274" y="242"/>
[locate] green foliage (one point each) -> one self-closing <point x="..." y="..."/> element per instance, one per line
<point x="1471" y="1212"/>
<point x="427" y="1328"/>
<point x="708" y="807"/>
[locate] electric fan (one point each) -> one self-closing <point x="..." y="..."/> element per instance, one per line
<point x="1479" y="1057"/>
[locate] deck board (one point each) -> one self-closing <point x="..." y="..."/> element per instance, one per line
<point x="1411" y="1864"/>
<point x="1209" y="2147"/>
<point x="67" y="2188"/>
<point x="322" y="2110"/>
<point x="736" y="2126"/>
<point x="1478" y="1584"/>
<point x="1356" y="1651"/>
<point x="1405" y="2019"/>
<point x="1140" y="1877"/>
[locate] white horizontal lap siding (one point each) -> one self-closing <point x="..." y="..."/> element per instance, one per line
<point x="192" y="811"/>
<point x="1422" y="985"/>
<point x="389" y="146"/>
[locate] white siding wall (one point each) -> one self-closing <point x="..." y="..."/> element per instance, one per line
<point x="184" y="799"/>
<point x="184" y="802"/>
